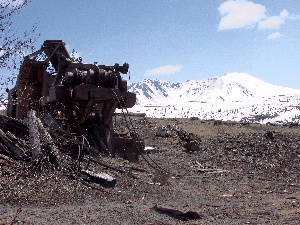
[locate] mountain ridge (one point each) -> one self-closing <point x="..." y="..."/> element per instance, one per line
<point x="233" y="96"/>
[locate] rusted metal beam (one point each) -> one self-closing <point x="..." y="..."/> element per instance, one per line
<point x="86" y="112"/>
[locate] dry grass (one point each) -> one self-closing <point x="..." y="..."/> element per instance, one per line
<point x="260" y="185"/>
<point x="207" y="128"/>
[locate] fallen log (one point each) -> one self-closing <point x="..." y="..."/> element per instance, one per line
<point x="11" y="148"/>
<point x="6" y="159"/>
<point x="34" y="137"/>
<point x="210" y="170"/>
<point x="4" y="150"/>
<point x="17" y="127"/>
<point x="53" y="149"/>
<point x="149" y="150"/>
<point x="103" y="179"/>
<point x="36" y="132"/>
<point x="189" y="215"/>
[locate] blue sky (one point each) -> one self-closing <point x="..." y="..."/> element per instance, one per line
<point x="177" y="40"/>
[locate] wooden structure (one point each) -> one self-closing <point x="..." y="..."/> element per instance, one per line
<point x="82" y="97"/>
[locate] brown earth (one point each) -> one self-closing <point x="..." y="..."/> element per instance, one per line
<point x="242" y="174"/>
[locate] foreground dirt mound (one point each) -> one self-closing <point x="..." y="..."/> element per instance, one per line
<point x="242" y="174"/>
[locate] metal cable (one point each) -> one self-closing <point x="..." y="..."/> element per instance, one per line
<point x="136" y="134"/>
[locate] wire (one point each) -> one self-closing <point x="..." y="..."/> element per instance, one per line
<point x="136" y="134"/>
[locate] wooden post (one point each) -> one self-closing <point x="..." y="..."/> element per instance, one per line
<point x="34" y="136"/>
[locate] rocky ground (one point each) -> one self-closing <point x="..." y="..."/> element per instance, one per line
<point x="241" y="174"/>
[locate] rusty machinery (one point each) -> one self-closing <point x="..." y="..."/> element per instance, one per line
<point x="82" y="96"/>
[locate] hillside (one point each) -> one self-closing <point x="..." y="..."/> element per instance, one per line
<point x="234" y="96"/>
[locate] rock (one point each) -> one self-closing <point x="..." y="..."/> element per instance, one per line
<point x="192" y="146"/>
<point x="269" y="135"/>
<point x="163" y="131"/>
<point x="218" y="122"/>
<point x="189" y="215"/>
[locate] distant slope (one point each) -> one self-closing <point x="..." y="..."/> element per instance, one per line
<point x="233" y="96"/>
<point x="240" y="86"/>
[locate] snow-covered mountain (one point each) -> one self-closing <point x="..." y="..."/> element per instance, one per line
<point x="234" y="96"/>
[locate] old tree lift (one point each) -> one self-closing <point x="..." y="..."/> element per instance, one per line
<point x="81" y="97"/>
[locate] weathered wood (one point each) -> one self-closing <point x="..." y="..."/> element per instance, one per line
<point x="211" y="170"/>
<point x="96" y="136"/>
<point x="101" y="178"/>
<point x="4" y="149"/>
<point x="54" y="150"/>
<point x="36" y="132"/>
<point x="5" y="158"/>
<point x="34" y="136"/>
<point x="12" y="149"/>
<point x="13" y="125"/>
<point x="52" y="123"/>
<point x="189" y="215"/>
<point x="149" y="150"/>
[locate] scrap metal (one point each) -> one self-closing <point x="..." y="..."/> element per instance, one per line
<point x="81" y="97"/>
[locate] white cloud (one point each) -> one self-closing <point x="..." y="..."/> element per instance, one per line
<point x="274" y="22"/>
<point x="240" y="13"/>
<point x="274" y="35"/>
<point x="163" y="70"/>
<point x="284" y="14"/>
<point x="294" y="17"/>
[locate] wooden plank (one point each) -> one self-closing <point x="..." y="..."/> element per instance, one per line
<point x="101" y="178"/>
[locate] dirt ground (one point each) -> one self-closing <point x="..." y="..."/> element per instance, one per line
<point x="242" y="174"/>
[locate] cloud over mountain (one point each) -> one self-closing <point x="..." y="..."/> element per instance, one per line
<point x="163" y="70"/>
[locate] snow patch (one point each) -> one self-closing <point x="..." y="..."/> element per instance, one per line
<point x="234" y="96"/>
